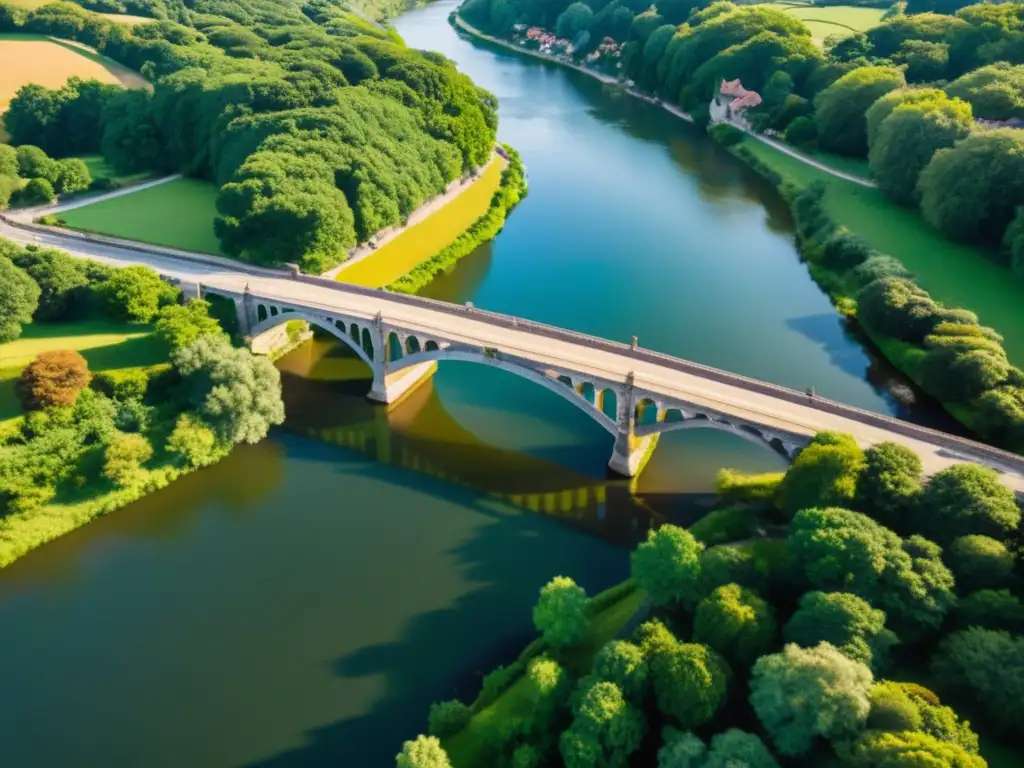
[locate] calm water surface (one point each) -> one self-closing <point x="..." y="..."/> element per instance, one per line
<point x="302" y="602"/>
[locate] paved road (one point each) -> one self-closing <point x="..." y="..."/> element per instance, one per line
<point x="669" y="379"/>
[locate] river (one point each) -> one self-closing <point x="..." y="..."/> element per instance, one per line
<point x="301" y="603"/>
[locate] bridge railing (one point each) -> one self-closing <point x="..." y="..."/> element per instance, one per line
<point x="898" y="426"/>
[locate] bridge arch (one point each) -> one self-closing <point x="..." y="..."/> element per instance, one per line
<point x="558" y="385"/>
<point x="334" y="327"/>
<point x="750" y="433"/>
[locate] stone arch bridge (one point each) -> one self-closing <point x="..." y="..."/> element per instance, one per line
<point x="635" y="394"/>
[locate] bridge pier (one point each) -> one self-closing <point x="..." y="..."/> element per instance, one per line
<point x="630" y="453"/>
<point x="391" y="388"/>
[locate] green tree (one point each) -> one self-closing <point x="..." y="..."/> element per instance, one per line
<point x="667" y="566"/>
<point x="884" y="106"/>
<point x="736" y="622"/>
<point x="909" y="137"/>
<point x="135" y="294"/>
<point x="802" y="132"/>
<point x="690" y="682"/>
<point x="736" y="748"/>
<point x="898" y="308"/>
<point x="573" y="20"/>
<point x="447" y="718"/>
<point x="54" y="378"/>
<point x="192" y="442"/>
<point x="967" y="499"/>
<point x="991" y="609"/>
<point x="606" y="730"/>
<point x="909" y="749"/>
<point x="988" y="667"/>
<point x="33" y="163"/>
<point x="179" y="325"/>
<point x="38" y="191"/>
<point x="561" y="613"/>
<point x="980" y="562"/>
<point x="890" y="484"/>
<point x="424" y="752"/>
<point x="823" y="473"/>
<point x="61" y="280"/>
<point x="732" y="563"/>
<point x="925" y="60"/>
<point x="72" y="176"/>
<point x="235" y="392"/>
<point x="840" y="108"/>
<point x="839" y="550"/>
<point x="995" y="92"/>
<point x="846" y="622"/>
<point x="123" y="459"/>
<point x="802" y="693"/>
<point x="8" y="160"/>
<point x="624" y="664"/>
<point x="19" y="297"/>
<point x="681" y="749"/>
<point x="970" y="191"/>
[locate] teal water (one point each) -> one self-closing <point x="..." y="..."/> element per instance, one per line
<point x="303" y="602"/>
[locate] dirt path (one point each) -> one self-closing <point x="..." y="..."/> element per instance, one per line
<point x="385" y="236"/>
<point x="671" y="108"/>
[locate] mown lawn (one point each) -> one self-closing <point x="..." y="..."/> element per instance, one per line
<point x="99" y="168"/>
<point x="424" y="239"/>
<point x="106" y="346"/>
<point x="178" y="214"/>
<point x="842" y="20"/>
<point x="957" y="275"/>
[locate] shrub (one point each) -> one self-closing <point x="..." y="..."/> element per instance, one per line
<point x="823" y="473"/>
<point x="726" y="134"/>
<point x="883" y="107"/>
<point x="840" y="108"/>
<point x="802" y="693"/>
<point x="736" y="748"/>
<point x="36" y="192"/>
<point x="980" y="562"/>
<point x="496" y="682"/>
<point x="844" y="250"/>
<point x="907" y="748"/>
<point x="124" y="457"/>
<point x="123" y="384"/>
<point x="132" y="416"/>
<point x="447" y="718"/>
<point x="192" y="442"/>
<point x="623" y="663"/>
<point x="991" y="609"/>
<point x="180" y="325"/>
<point x="995" y="92"/>
<point x="424" y="752"/>
<point x="890" y="484"/>
<point x="19" y="297"/>
<point x="605" y="731"/>
<point x="53" y="378"/>
<point x="877" y="267"/>
<point x="987" y="666"/>
<point x="802" y="132"/>
<point x="561" y="613"/>
<point x="733" y="487"/>
<point x="892" y="709"/>
<point x="667" y="566"/>
<point x="898" y="308"/>
<point x="846" y="622"/>
<point x="721" y="526"/>
<point x="731" y="564"/>
<point x="34" y="163"/>
<point x="967" y="499"/>
<point x="681" y="749"/>
<point x="736" y="622"/>
<point x="690" y="682"/>
<point x="61" y="281"/>
<point x="72" y="176"/>
<point x="135" y="294"/>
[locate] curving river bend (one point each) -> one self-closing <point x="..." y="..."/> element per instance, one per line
<point x="302" y="603"/>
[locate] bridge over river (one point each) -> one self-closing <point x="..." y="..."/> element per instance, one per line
<point x="635" y="394"/>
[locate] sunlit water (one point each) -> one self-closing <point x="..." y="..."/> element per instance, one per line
<point x="303" y="602"/>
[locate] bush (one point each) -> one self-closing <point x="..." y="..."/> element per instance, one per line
<point x="623" y="663"/>
<point x="135" y="295"/>
<point x="424" y="752"/>
<point x="690" y="682"/>
<point x="893" y="709"/>
<point x="124" y="383"/>
<point x="61" y="282"/>
<point x="907" y="748"/>
<point x="72" y="176"/>
<point x="875" y="268"/>
<point x="954" y="375"/>
<point x="738" y="749"/>
<point x="840" y="109"/>
<point x="37" y="192"/>
<point x="721" y="526"/>
<point x="732" y="564"/>
<point x="802" y="132"/>
<point x="991" y="609"/>
<point x="192" y="442"/>
<point x="561" y="613"/>
<point x="606" y="730"/>
<point x="667" y="566"/>
<point x="19" y="298"/>
<point x="681" y="749"/>
<point x="179" y="325"/>
<point x="802" y="693"/>
<point x="53" y="378"/>
<point x="447" y="718"/>
<point x="733" y="487"/>
<point x="844" y="250"/>
<point x="897" y="308"/>
<point x="132" y="416"/>
<point x="124" y="457"/>
<point x="846" y="622"/>
<point x="824" y="473"/>
<point x="726" y="135"/>
<point x="967" y="499"/>
<point x="980" y="562"/>
<point x="890" y="484"/>
<point x="736" y="622"/>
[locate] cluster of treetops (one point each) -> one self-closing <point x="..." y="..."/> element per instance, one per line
<point x="319" y="127"/>
<point x="796" y="649"/>
<point x="84" y="435"/>
<point x="28" y="176"/>
<point x="941" y="71"/>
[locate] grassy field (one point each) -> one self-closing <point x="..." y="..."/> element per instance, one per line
<point x="101" y="169"/>
<point x="842" y="20"/>
<point x="178" y="214"/>
<point x="955" y="274"/>
<point x="422" y="240"/>
<point x="106" y="346"/>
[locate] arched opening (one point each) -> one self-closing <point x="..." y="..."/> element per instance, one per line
<point x="587" y="392"/>
<point x="431" y="346"/>
<point x="610" y="404"/>
<point x="412" y="345"/>
<point x="339" y="325"/>
<point x="273" y="311"/>
<point x="646" y="412"/>
<point x="353" y="333"/>
<point x="286" y="310"/>
<point x="565" y="380"/>
<point x="394" y="347"/>
<point x="367" y="343"/>
<point x="261" y="313"/>
<point x="674" y="414"/>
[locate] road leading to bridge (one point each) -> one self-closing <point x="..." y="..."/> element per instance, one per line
<point x="721" y="399"/>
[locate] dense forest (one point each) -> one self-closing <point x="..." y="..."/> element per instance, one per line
<point x="319" y="126"/>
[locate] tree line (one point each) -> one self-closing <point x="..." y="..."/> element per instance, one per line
<point x="319" y="127"/>
<point x="799" y="649"/>
<point x="942" y="72"/>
